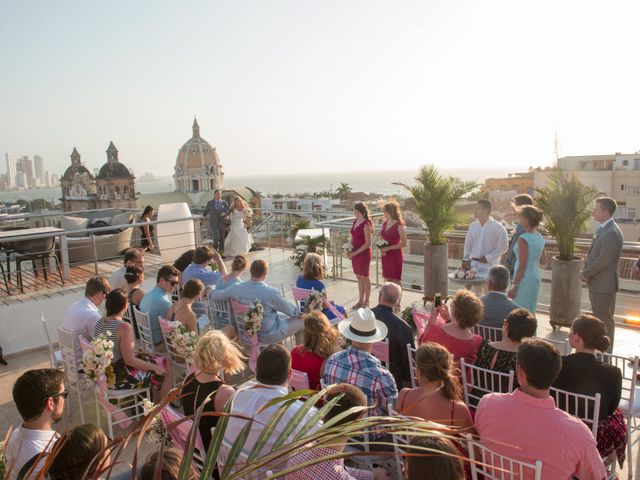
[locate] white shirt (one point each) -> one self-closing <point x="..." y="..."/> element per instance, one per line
<point x="81" y="318"/>
<point x="24" y="444"/>
<point x="488" y="240"/>
<point x="117" y="280"/>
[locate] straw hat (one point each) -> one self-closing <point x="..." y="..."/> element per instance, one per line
<point x="362" y="326"/>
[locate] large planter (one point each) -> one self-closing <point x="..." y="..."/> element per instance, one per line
<point x="566" y="291"/>
<point x="436" y="269"/>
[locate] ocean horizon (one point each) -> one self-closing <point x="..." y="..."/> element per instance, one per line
<point x="381" y="182"/>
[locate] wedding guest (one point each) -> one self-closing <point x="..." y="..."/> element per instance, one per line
<point x="360" y="253"/>
<point x="217" y="210"/>
<point x="394" y="234"/>
<point x="238" y="266"/>
<point x="215" y="356"/>
<point x="497" y="305"/>
<point x="39" y="395"/>
<point x="438" y="397"/>
<point x="146" y="231"/>
<point x="585" y="374"/>
<point x="528" y="250"/>
<point x="510" y="257"/>
<point x="168" y="465"/>
<point x="157" y="301"/>
<point x="184" y="260"/>
<point x="134" y="277"/>
<point x="132" y="256"/>
<point x="431" y="466"/>
<point x="313" y="271"/>
<point x="456" y="335"/>
<point x="321" y="341"/>
<point x="526" y="425"/>
<point x="131" y="369"/>
<point x="182" y="310"/>
<point x="486" y="238"/>
<point x="200" y="269"/>
<point x="80" y="453"/>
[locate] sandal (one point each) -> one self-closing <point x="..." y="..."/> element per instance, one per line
<point x="357" y="305"/>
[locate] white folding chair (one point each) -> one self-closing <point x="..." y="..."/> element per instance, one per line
<point x="144" y="328"/>
<point x="477" y="382"/>
<point x="55" y="356"/>
<point x="413" y="368"/>
<point x="179" y="364"/>
<point x="299" y="381"/>
<point x="400" y="443"/>
<point x="301" y="294"/>
<point x="380" y="350"/>
<point x="494" y="466"/>
<point x="583" y="407"/>
<point x="562" y="345"/>
<point x="490" y="334"/>
<point x="220" y="313"/>
<point x="69" y="354"/>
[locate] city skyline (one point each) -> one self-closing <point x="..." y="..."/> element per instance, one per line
<point x="306" y="87"/>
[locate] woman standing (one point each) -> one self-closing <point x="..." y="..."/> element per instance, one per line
<point x="238" y="241"/>
<point x="528" y="250"/>
<point x="394" y="234"/>
<point x="360" y="253"/>
<point x="146" y="231"/>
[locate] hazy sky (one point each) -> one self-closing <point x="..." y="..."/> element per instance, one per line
<point x="293" y="86"/>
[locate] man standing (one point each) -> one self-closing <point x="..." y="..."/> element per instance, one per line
<point x="486" y="239"/>
<point x="510" y="258"/>
<point x="600" y="270"/>
<point x="216" y="209"/>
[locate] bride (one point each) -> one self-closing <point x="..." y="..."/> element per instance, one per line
<point x="238" y="240"/>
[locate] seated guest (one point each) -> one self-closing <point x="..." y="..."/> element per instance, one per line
<point x="496" y="303"/>
<point x="439" y="396"/>
<point x="200" y="269"/>
<point x="238" y="266"/>
<point x="357" y="366"/>
<point x="425" y="465"/>
<point x="352" y="397"/>
<point x="313" y="271"/>
<point x="183" y="261"/>
<point x="39" y="396"/>
<point x="132" y="256"/>
<point x="80" y="318"/>
<point x="321" y="341"/>
<point x="273" y="371"/>
<point x="279" y="320"/>
<point x="456" y="334"/>
<point x="583" y="373"/>
<point x="168" y="466"/>
<point x="131" y="369"/>
<point x="157" y="301"/>
<point x="80" y="453"/>
<point x="526" y="425"/>
<point x="134" y="277"/>
<point x="399" y="335"/>
<point x="181" y="311"/>
<point x="501" y="356"/>
<point x="215" y="356"/>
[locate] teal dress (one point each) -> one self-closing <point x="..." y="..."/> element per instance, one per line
<point x="529" y="286"/>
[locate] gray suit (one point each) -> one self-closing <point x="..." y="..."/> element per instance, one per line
<point x="497" y="307"/>
<point x="601" y="272"/>
<point x="215" y="210"/>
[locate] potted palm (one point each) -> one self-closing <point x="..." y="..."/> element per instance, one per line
<point x="566" y="203"/>
<point x="435" y="196"/>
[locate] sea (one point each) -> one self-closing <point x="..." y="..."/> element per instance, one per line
<point x="381" y="182"/>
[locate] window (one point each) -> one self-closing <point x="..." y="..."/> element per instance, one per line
<point x="625" y="163"/>
<point x="631" y="213"/>
<point x="622" y="186"/>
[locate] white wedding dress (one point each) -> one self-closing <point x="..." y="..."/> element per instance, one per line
<point x="238" y="240"/>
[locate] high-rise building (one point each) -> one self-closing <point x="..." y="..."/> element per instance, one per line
<point x="21" y="180"/>
<point x="39" y="168"/>
<point x="11" y="170"/>
<point x="25" y="165"/>
<point x="54" y="180"/>
<point x="47" y="179"/>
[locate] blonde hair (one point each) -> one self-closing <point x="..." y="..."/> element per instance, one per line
<point x="466" y="308"/>
<point x="242" y="202"/>
<point x="216" y="352"/>
<point x="434" y="363"/>
<point x="393" y="209"/>
<point x="319" y="336"/>
<point x="313" y="268"/>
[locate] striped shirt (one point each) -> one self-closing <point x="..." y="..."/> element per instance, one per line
<point x="102" y="327"/>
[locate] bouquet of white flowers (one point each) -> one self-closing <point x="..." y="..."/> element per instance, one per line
<point x="156" y="433"/>
<point x="347" y="247"/>
<point x="182" y="340"/>
<point x="315" y="301"/>
<point x="465" y="274"/>
<point x="97" y="361"/>
<point x="381" y="243"/>
<point x="253" y="318"/>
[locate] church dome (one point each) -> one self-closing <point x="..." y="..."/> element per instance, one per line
<point x="113" y="168"/>
<point x="76" y="167"/>
<point x="197" y="152"/>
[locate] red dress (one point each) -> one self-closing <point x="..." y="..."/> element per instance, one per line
<point x="360" y="262"/>
<point x="467" y="349"/>
<point x="309" y="363"/>
<point x="392" y="260"/>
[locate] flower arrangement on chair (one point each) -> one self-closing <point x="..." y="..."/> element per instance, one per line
<point x="253" y="318"/>
<point x="156" y="432"/>
<point x="182" y="340"/>
<point x="96" y="362"/>
<point x="315" y="301"/>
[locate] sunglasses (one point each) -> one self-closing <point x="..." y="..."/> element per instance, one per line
<point x="63" y="394"/>
<point x="172" y="282"/>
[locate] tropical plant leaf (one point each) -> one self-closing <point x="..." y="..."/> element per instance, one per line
<point x="236" y="450"/>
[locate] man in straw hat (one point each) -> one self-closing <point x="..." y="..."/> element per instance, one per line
<point x="357" y="366"/>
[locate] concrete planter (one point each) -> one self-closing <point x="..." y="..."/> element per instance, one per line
<point x="436" y="269"/>
<point x="566" y="291"/>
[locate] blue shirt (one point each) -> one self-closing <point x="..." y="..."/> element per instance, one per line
<point x="156" y="303"/>
<point x="221" y="284"/>
<point x="274" y="324"/>
<point x="203" y="274"/>
<point x="316" y="285"/>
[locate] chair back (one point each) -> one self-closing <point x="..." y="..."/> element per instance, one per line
<point x="36" y="246"/>
<point x="490" y="334"/>
<point x="238" y="310"/>
<point x="165" y="327"/>
<point x="144" y="328"/>
<point x="420" y="320"/>
<point x="299" y="381"/>
<point x="69" y="353"/>
<point x="400" y="443"/>
<point x="584" y="407"/>
<point x="220" y="313"/>
<point x="380" y="350"/>
<point x="487" y="464"/>
<point x="54" y="356"/>
<point x="477" y="382"/>
<point x="630" y="368"/>
<point x="562" y="345"/>
<point x="413" y="366"/>
<point x="180" y="432"/>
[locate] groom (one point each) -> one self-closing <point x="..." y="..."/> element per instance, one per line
<point x="216" y="209"/>
<point x="600" y="272"/>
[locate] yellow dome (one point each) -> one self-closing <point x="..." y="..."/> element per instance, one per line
<point x="197" y="152"/>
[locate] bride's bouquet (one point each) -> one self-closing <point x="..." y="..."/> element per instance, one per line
<point x="253" y="318"/>
<point x="315" y="301"/>
<point x="381" y="243"/>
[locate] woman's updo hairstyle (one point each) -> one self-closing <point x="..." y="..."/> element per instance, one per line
<point x="592" y="331"/>
<point x="239" y="263"/>
<point x="434" y="364"/>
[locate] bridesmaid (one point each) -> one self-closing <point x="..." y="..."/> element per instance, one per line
<point x="393" y="232"/>
<point x="360" y="254"/>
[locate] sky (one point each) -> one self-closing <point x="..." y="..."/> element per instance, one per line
<point x="302" y="86"/>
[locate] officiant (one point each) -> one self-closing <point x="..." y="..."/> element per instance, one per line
<point x="486" y="239"/>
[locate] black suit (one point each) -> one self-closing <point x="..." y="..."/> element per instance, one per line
<point x="399" y="335"/>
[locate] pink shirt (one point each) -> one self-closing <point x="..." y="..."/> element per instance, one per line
<point x="539" y="431"/>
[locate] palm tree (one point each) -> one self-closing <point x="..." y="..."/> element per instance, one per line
<point x="343" y="192"/>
